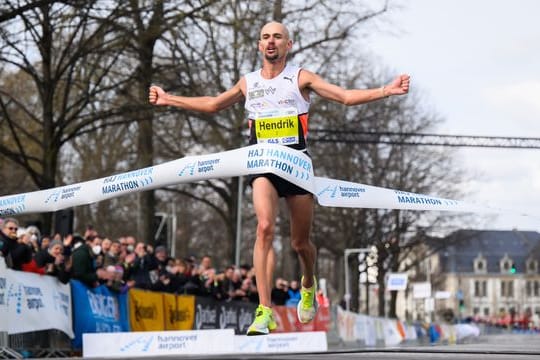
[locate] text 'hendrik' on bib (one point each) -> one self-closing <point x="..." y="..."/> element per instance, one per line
<point x="279" y="126"/>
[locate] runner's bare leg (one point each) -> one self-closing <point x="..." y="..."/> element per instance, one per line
<point x="265" y="203"/>
<point x="301" y="215"/>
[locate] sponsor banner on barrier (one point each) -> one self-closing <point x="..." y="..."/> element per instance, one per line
<point x="179" y="311"/>
<point x="235" y="315"/>
<point x="285" y="162"/>
<point x="158" y="343"/>
<point x="392" y="334"/>
<point x="32" y="302"/>
<point x="212" y="314"/>
<point x="146" y="310"/>
<point x="282" y="343"/>
<point x="206" y="314"/>
<point x="3" y="299"/>
<point x="287" y="319"/>
<point x="97" y="310"/>
<point x="350" y="326"/>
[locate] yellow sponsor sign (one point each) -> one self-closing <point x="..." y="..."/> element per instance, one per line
<point x="179" y="312"/>
<point x="146" y="310"/>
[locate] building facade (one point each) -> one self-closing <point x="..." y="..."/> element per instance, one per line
<point x="488" y="274"/>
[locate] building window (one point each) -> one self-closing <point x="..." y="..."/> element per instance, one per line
<point x="507" y="288"/>
<point x="476" y="311"/>
<point x="506" y="266"/>
<point x="532" y="288"/>
<point x="486" y="311"/>
<point x="532" y="266"/>
<point x="480" y="288"/>
<point x="480" y="264"/>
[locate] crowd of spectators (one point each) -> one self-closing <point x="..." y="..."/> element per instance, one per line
<point x="126" y="263"/>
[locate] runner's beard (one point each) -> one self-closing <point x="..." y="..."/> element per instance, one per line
<point x="272" y="58"/>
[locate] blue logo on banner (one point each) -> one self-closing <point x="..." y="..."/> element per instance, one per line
<point x="97" y="310"/>
<point x="142" y="342"/>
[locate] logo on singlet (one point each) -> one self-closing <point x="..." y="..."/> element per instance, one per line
<point x="255" y="94"/>
<point x="270" y="90"/>
<point x="289" y="78"/>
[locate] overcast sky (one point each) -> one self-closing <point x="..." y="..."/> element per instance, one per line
<point x="477" y="64"/>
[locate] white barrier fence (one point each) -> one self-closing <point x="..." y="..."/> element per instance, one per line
<point x="31" y="302"/>
<point x="372" y="331"/>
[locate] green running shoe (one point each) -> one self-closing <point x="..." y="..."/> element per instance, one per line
<point x="264" y="322"/>
<point x="307" y="306"/>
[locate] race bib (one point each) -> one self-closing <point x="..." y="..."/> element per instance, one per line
<point x="277" y="127"/>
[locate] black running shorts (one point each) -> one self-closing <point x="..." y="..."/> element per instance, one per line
<point x="284" y="188"/>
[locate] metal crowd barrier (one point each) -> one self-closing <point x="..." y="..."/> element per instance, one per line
<point x="5" y="351"/>
<point x="38" y="344"/>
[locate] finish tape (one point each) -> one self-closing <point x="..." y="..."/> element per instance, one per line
<point x="282" y="161"/>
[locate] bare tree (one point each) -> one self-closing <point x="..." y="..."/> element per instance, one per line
<point x="66" y="55"/>
<point x="142" y="25"/>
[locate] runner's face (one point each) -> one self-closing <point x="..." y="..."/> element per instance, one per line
<point x="274" y="42"/>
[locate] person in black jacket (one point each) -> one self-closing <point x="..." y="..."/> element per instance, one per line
<point x="85" y="267"/>
<point x="55" y="262"/>
<point x="143" y="271"/>
<point x="15" y="253"/>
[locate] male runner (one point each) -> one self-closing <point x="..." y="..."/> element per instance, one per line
<point x="279" y="93"/>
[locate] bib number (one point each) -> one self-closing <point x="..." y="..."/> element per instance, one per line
<point x="280" y="129"/>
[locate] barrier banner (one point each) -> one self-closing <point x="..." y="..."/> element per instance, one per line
<point x="298" y="342"/>
<point x="179" y="311"/>
<point x="284" y="319"/>
<point x="3" y="298"/>
<point x="32" y="302"/>
<point x="323" y="319"/>
<point x="212" y="314"/>
<point x="346" y="322"/>
<point x="392" y="334"/>
<point x="206" y="313"/>
<point x="236" y="315"/>
<point x="370" y="324"/>
<point x="157" y="344"/>
<point x="287" y="163"/>
<point x="146" y="310"/>
<point x="97" y="310"/>
<point x="287" y="320"/>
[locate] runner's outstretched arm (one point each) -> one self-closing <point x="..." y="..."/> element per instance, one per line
<point x="207" y="104"/>
<point x="311" y="81"/>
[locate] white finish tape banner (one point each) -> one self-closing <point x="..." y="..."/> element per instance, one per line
<point x="282" y="161"/>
